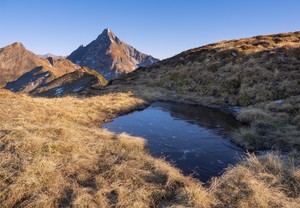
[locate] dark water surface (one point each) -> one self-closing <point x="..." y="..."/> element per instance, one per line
<point x="194" y="138"/>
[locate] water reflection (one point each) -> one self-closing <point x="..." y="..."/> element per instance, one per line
<point x="193" y="137"/>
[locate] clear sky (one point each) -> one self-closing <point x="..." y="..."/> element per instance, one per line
<point x="161" y="28"/>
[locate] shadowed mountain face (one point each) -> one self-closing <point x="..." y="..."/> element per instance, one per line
<point x="236" y="72"/>
<point x="70" y="83"/>
<point x="30" y="80"/>
<point x="110" y="56"/>
<point x="22" y="70"/>
<point x="43" y="83"/>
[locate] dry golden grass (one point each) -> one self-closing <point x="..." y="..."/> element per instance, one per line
<point x="270" y="125"/>
<point x="267" y="181"/>
<point x="236" y="72"/>
<point x="54" y="154"/>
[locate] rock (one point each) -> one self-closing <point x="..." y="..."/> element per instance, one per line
<point x="279" y="102"/>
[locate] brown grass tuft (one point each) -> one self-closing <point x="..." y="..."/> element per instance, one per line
<point x="266" y="181"/>
<point x="253" y="114"/>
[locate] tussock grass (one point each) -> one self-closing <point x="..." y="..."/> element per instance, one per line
<point x="236" y="72"/>
<point x="268" y="181"/>
<point x="271" y="125"/>
<point x="54" y="154"/>
<point x="253" y="114"/>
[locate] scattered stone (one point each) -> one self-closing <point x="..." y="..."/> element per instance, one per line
<point x="279" y="102"/>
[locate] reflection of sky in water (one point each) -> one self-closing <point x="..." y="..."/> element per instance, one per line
<point x="194" y="142"/>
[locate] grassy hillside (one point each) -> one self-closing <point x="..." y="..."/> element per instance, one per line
<point x="260" y="73"/>
<point x="237" y="72"/>
<point x="53" y="154"/>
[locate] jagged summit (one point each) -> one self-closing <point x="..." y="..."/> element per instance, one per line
<point x="107" y="36"/>
<point x="108" y="32"/>
<point x="110" y="56"/>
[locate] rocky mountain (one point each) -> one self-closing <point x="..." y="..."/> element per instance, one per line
<point x="110" y="56"/>
<point x="21" y="69"/>
<point x="237" y="72"/>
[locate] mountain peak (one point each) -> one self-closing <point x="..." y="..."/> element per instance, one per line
<point x="107" y="33"/>
<point x="17" y="45"/>
<point x="110" y="56"/>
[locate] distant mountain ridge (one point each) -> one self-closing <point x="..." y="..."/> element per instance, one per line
<point x="23" y="71"/>
<point x="50" y="55"/>
<point x="15" y="61"/>
<point x="110" y="56"/>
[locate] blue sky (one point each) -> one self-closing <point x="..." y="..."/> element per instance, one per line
<point x="162" y="28"/>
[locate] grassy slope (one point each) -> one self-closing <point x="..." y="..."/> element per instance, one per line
<point x="237" y="72"/>
<point x="53" y="154"/>
<point x="250" y="72"/>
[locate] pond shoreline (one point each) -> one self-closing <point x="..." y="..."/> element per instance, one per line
<point x="216" y="129"/>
